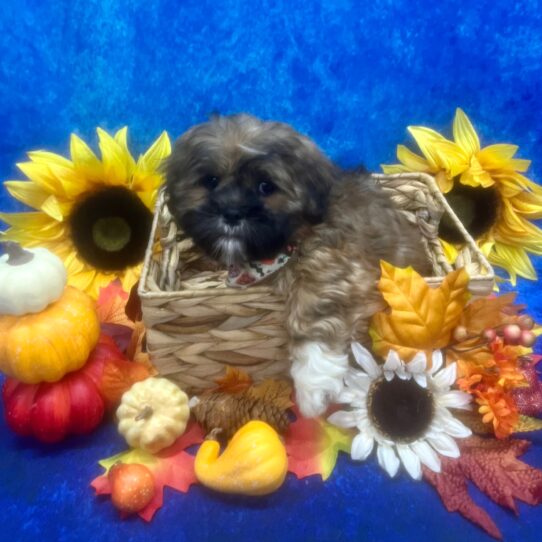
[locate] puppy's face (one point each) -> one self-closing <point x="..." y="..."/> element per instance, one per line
<point x="241" y="188"/>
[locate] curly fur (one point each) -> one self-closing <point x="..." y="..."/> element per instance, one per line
<point x="342" y="223"/>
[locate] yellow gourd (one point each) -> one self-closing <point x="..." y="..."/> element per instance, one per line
<point x="152" y="414"/>
<point x="253" y="463"/>
<point x="43" y="347"/>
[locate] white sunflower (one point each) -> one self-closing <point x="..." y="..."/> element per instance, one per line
<point x="404" y="409"/>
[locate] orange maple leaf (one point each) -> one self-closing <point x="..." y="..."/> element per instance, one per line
<point x="234" y="381"/>
<point x="421" y="317"/>
<point x="111" y="305"/>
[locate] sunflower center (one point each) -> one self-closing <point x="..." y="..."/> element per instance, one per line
<point x="400" y="409"/>
<point x="111" y="233"/>
<point x="476" y="207"/>
<point x="110" y="229"/>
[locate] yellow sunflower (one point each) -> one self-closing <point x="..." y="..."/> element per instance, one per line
<point x="486" y="189"/>
<point x="95" y="214"/>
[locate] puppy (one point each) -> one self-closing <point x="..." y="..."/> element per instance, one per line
<point x="245" y="189"/>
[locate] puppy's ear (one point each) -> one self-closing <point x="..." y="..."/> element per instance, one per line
<point x="317" y="176"/>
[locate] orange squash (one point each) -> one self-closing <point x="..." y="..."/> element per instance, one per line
<point x="43" y="347"/>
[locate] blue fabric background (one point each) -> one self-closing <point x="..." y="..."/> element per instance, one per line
<point x="352" y="75"/>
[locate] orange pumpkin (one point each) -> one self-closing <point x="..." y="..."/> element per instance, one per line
<point x="43" y="347"/>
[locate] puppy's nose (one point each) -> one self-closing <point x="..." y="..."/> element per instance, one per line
<point x="232" y="216"/>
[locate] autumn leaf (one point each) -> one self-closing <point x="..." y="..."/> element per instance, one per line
<point x="117" y="377"/>
<point x="492" y="465"/>
<point x="526" y="424"/>
<point x="111" y="304"/>
<point x="234" y="381"/>
<point x="313" y="445"/>
<point x="173" y="467"/>
<point x="488" y="312"/>
<point x="421" y="317"/>
<point x="133" y="305"/>
<point x="529" y="398"/>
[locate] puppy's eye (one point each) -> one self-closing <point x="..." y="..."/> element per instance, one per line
<point x="210" y="182"/>
<point x="266" y="188"/>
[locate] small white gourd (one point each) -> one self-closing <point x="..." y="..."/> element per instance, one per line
<point x="152" y="414"/>
<point x="30" y="279"/>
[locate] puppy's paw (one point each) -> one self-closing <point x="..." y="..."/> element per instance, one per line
<point x="318" y="377"/>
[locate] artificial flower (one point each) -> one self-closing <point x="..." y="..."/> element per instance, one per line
<point x="403" y="409"/>
<point x="498" y="408"/>
<point x="486" y="189"/>
<point x="95" y="214"/>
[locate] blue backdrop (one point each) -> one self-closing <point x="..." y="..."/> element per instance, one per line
<point x="350" y="74"/>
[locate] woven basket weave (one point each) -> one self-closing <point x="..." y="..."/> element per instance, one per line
<point x="196" y="325"/>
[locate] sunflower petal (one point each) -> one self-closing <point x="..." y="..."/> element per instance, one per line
<point x="464" y="133"/>
<point x="121" y="137"/>
<point x="116" y="171"/>
<point x="156" y="153"/>
<point x="84" y="160"/>
<point x="427" y="455"/>
<point x="411" y="160"/>
<point x="45" y="157"/>
<point x="426" y="139"/>
<point x="41" y="176"/>
<point x="410" y="461"/>
<point x="27" y="192"/>
<point x="450" y="251"/>
<point x="387" y="459"/>
<point x="30" y="220"/>
<point x="362" y="446"/>
<point x="513" y="259"/>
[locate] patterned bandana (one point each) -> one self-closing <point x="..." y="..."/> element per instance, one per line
<point x="252" y="272"/>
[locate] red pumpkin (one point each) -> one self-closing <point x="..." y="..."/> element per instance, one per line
<point x="73" y="405"/>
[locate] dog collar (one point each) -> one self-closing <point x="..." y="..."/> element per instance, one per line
<point x="252" y="272"/>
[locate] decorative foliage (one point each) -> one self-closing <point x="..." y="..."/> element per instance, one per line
<point x="529" y="398"/>
<point x="494" y="201"/>
<point x="313" y="445"/>
<point x="421" y="318"/>
<point x="47" y="345"/>
<point x="172" y="467"/>
<point x="493" y="467"/>
<point x="254" y="461"/>
<point x="94" y="214"/>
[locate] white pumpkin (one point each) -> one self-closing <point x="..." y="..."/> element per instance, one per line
<point x="30" y="279"/>
<point x="152" y="414"/>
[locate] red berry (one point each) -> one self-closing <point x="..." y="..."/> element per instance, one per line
<point x="460" y="333"/>
<point x="526" y="322"/>
<point x="512" y="334"/>
<point x="489" y="335"/>
<point x="527" y="339"/>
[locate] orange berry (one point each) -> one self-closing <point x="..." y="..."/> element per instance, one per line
<point x="132" y="487"/>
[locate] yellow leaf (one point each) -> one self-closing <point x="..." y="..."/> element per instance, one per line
<point x="421" y="318"/>
<point x="526" y="424"/>
<point x="131" y="456"/>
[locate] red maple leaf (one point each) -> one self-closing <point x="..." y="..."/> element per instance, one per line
<point x="312" y="445"/>
<point x="173" y="467"/>
<point x="529" y="398"/>
<point x="492" y="465"/>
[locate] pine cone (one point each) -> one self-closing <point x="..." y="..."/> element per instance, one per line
<point x="230" y="412"/>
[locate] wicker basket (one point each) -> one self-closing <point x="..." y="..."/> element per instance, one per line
<point x="196" y="325"/>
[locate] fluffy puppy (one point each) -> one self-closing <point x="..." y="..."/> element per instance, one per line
<point x="244" y="189"/>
